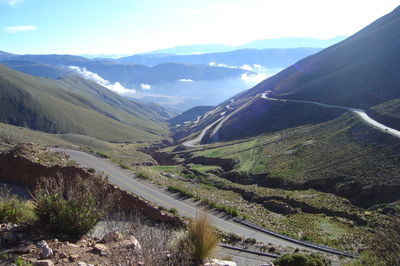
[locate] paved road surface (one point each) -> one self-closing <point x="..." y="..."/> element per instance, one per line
<point x="359" y="112"/>
<point x="197" y="140"/>
<point x="188" y="208"/>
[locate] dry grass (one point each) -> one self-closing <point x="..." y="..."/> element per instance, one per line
<point x="203" y="238"/>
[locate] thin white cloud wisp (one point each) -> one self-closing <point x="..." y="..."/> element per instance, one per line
<point x="21" y="28"/>
<point x="115" y="87"/>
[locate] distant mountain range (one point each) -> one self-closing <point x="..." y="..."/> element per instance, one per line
<point x="283" y="43"/>
<point x="179" y="82"/>
<point x="127" y="75"/>
<point x="252" y="59"/>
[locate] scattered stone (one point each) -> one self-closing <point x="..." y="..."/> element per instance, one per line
<point x="112" y="236"/>
<point x="72" y="245"/>
<point x="215" y="262"/>
<point x="43" y="263"/>
<point x="74" y="257"/>
<point x="32" y="260"/>
<point x="65" y="260"/>
<point x="46" y="251"/>
<point x="100" y="249"/>
<point x="131" y="242"/>
<point x="63" y="255"/>
<point x="82" y="263"/>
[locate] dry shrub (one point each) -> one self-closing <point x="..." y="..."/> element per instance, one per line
<point x="71" y="207"/>
<point x="386" y="243"/>
<point x="155" y="240"/>
<point x="200" y="241"/>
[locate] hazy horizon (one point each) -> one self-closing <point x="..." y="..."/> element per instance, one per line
<point x="129" y="27"/>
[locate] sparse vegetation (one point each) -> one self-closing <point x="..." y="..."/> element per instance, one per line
<point x="201" y="239"/>
<point x="103" y="155"/>
<point x="173" y="210"/>
<point x="124" y="166"/>
<point x="71" y="208"/>
<point x="385" y="247"/>
<point x="13" y="209"/>
<point x="250" y="241"/>
<point x="21" y="262"/>
<point x="182" y="192"/>
<point x="297" y="259"/>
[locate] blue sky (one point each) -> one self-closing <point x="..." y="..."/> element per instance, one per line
<point x="132" y="26"/>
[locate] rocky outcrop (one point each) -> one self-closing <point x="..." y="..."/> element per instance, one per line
<point x="27" y="164"/>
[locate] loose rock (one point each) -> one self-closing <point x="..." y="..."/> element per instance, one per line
<point x="112" y="236"/>
<point x="100" y="249"/>
<point x="46" y="251"/>
<point x="43" y="263"/>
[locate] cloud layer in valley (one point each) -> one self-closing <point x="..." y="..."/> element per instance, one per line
<point x="115" y="87"/>
<point x="253" y="79"/>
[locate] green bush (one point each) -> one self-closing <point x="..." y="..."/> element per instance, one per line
<point x="220" y="207"/>
<point x="182" y="192"/>
<point x="297" y="259"/>
<point x="21" y="262"/>
<point x="173" y="210"/>
<point x="103" y="155"/>
<point x="143" y="175"/>
<point x="14" y="210"/>
<point x="73" y="208"/>
<point x="250" y="241"/>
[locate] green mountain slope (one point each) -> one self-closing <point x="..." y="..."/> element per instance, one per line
<point x="74" y="105"/>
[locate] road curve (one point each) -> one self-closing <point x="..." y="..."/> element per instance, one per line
<point x="127" y="181"/>
<point x="359" y="112"/>
<point x="197" y="140"/>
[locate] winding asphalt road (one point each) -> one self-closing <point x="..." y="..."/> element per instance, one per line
<point x="127" y="181"/>
<point x="359" y="112"/>
<point x="218" y="124"/>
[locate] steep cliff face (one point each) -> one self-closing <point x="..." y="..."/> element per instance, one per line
<point x="27" y="164"/>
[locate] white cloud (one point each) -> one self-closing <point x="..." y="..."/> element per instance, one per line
<point x="253" y="79"/>
<point x="186" y="80"/>
<point x="246" y="67"/>
<point x="145" y="86"/>
<point x="220" y="65"/>
<point x="11" y="2"/>
<point x="115" y="87"/>
<point x="15" y="29"/>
